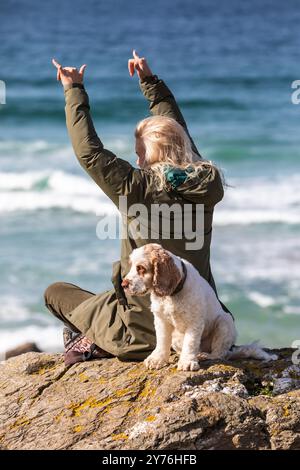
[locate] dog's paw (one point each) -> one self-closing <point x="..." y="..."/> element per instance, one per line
<point x="203" y="356"/>
<point x="155" y="362"/>
<point x="188" y="364"/>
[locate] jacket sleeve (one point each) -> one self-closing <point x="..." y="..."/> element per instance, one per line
<point x="162" y="102"/>
<point x="115" y="176"/>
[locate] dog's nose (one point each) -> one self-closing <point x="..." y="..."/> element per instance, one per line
<point x="125" y="283"/>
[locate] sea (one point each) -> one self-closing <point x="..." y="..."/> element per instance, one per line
<point x="231" y="66"/>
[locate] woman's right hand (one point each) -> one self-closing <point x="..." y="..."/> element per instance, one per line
<point x="68" y="75"/>
<point x="140" y="65"/>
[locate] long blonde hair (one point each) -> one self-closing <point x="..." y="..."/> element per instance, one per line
<point x="167" y="143"/>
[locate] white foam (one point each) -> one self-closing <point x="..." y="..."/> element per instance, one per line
<point x="72" y="184"/>
<point x="48" y="200"/>
<point x="24" y="181"/>
<point x="260" y="200"/>
<point x="261" y="299"/>
<point x="19" y="325"/>
<point x="62" y="190"/>
<point x="247" y="216"/>
<point x="48" y="338"/>
<point x="56" y="180"/>
<point x="12" y="309"/>
<point x="30" y="146"/>
<point x="252" y="201"/>
<point x="291" y="309"/>
<point x="122" y="145"/>
<point x="258" y="192"/>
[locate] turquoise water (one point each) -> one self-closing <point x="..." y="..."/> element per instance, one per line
<point x="230" y="65"/>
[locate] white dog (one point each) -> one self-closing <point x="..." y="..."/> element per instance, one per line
<point x="187" y="313"/>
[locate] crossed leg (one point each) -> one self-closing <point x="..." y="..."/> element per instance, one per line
<point x="62" y="297"/>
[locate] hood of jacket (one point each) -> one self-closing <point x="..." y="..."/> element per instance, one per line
<point x="204" y="188"/>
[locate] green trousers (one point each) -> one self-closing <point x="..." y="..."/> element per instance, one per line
<point x="125" y="331"/>
<point x="62" y="297"/>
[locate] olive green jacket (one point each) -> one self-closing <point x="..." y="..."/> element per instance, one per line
<point x="123" y="325"/>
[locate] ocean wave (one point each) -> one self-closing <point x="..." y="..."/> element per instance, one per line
<point x="37" y="108"/>
<point x="257" y="200"/>
<point x="259" y="216"/>
<point x="47" y="338"/>
<point x="12" y="307"/>
<point x="25" y="146"/>
<point x="27" y="156"/>
<point x="119" y="142"/>
<point x="259" y="192"/>
<point x="251" y="200"/>
<point x="47" y="180"/>
<point x="292" y="309"/>
<point x="51" y="190"/>
<point x="18" y="157"/>
<point x="260" y="299"/>
<point x="18" y="324"/>
<point x="34" y="201"/>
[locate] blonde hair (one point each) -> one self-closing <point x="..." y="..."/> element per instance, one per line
<point x="167" y="143"/>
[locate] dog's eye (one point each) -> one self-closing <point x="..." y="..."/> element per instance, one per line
<point x="140" y="269"/>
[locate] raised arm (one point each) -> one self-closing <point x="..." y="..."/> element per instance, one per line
<point x="115" y="176"/>
<point x="160" y="98"/>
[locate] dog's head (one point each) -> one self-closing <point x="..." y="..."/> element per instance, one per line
<point x="152" y="268"/>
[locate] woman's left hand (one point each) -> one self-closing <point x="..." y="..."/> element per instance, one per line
<point x="140" y="65"/>
<point x="69" y="75"/>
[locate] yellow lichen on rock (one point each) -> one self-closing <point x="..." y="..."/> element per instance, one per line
<point x="91" y="402"/>
<point x="125" y="391"/>
<point x="77" y="428"/>
<point x="148" y="391"/>
<point x="115" y="405"/>
<point x="83" y="377"/>
<point x="23" y="421"/>
<point x="150" y="418"/>
<point x="121" y="436"/>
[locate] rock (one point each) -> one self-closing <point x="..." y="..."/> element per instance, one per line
<point x="289" y="379"/>
<point x="109" y="404"/>
<point x="22" y="349"/>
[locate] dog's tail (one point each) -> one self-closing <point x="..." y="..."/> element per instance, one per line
<point x="250" y="351"/>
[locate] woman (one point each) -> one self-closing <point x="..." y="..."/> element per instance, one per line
<point x="171" y="170"/>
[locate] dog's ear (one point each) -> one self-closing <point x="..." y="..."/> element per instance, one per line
<point x="166" y="275"/>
